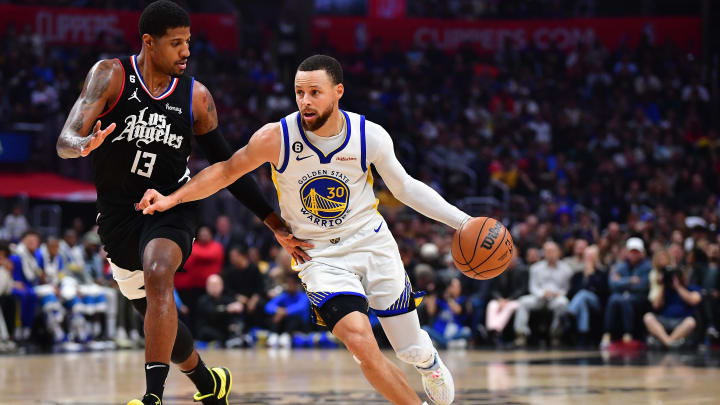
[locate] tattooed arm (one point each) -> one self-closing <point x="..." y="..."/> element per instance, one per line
<point x="102" y="86"/>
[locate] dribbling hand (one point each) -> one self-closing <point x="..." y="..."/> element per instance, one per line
<point x="153" y="201"/>
<point x="96" y="138"/>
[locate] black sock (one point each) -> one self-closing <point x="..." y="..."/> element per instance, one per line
<point x="202" y="378"/>
<point x="155" y="375"/>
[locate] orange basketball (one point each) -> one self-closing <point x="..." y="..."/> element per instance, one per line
<point x="482" y="248"/>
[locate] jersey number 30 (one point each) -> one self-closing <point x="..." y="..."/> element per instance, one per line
<point x="147" y="163"/>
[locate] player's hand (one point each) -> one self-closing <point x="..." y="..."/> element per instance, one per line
<point x="287" y="240"/>
<point x="92" y="141"/>
<point x="153" y="201"/>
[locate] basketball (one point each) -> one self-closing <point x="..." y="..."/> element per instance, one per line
<point x="482" y="248"/>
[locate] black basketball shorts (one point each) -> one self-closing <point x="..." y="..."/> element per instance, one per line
<point x="125" y="232"/>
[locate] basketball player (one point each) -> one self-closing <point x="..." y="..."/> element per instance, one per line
<point x="320" y="159"/>
<point x="156" y="111"/>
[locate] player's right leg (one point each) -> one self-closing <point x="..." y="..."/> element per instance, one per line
<point x="346" y="316"/>
<point x="213" y="383"/>
<point x="413" y="346"/>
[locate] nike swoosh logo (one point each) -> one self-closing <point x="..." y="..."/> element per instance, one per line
<point x="378" y="228"/>
<point x="302" y="158"/>
<point x="157" y="365"/>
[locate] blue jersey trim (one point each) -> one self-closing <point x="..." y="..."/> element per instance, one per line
<point x="326" y="159"/>
<point x="286" y="143"/>
<point x="363" y="153"/>
<point x="320" y="298"/>
<point x="192" y="85"/>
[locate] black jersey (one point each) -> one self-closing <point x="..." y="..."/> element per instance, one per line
<point x="150" y="146"/>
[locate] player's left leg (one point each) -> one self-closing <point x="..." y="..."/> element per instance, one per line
<point x="346" y="317"/>
<point x="214" y="383"/>
<point x="413" y="345"/>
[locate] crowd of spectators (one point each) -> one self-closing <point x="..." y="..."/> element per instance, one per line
<point x="602" y="162"/>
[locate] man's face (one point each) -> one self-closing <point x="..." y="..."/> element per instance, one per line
<point x="238" y="259"/>
<point x="579" y="247"/>
<point x="316" y="97"/>
<point x="214" y="286"/>
<point x="552" y="252"/>
<point x="53" y="247"/>
<point x="204" y="235"/>
<point x="31" y="242"/>
<point x="171" y="51"/>
<point x="634" y="256"/>
<point x="223" y="225"/>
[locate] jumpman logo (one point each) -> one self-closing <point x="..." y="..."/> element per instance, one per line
<point x="134" y="96"/>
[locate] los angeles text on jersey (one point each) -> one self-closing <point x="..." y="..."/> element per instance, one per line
<point x="324" y="196"/>
<point x="155" y="129"/>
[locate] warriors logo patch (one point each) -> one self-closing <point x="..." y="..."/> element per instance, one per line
<point x="325" y="197"/>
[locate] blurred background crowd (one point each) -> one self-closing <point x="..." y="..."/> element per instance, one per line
<point x="603" y="163"/>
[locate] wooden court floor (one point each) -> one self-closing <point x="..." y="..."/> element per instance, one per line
<point x="331" y="377"/>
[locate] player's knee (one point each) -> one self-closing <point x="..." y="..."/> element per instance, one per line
<point x="363" y="347"/>
<point x="690" y="321"/>
<point x="158" y="274"/>
<point x="648" y="318"/>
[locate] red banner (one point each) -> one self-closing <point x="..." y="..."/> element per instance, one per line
<point x="350" y="34"/>
<point x="85" y="26"/>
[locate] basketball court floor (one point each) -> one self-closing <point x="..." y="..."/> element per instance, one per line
<point x="269" y="377"/>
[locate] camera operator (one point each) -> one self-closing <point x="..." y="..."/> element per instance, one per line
<point x="673" y="302"/>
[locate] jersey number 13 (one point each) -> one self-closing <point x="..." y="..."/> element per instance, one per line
<point x="148" y="161"/>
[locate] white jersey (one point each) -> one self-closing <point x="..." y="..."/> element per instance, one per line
<point x="324" y="197"/>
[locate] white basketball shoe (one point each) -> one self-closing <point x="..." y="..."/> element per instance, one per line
<point x="438" y="382"/>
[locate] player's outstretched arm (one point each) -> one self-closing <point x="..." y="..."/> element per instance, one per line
<point x="264" y="146"/>
<point x="102" y="84"/>
<point x="408" y="190"/>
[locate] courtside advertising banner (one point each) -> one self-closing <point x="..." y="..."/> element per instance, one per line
<point x="351" y="34"/>
<point x="88" y="26"/>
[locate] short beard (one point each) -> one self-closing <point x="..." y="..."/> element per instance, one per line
<point x="319" y="121"/>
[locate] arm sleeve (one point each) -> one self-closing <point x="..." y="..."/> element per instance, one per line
<point x="411" y="192"/>
<point x="245" y="189"/>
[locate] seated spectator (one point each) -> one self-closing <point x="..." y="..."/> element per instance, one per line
<point x="505" y="290"/>
<point x="448" y="327"/>
<point x="219" y="316"/>
<point x="588" y="290"/>
<point x="205" y="260"/>
<point x="245" y="283"/>
<point x="289" y="311"/>
<point x="7" y="303"/>
<point x="711" y="291"/>
<point x="224" y="234"/>
<point x="31" y="287"/>
<point x="15" y="224"/>
<point x="549" y="284"/>
<point x="89" y="284"/>
<point x="673" y="306"/>
<point x="628" y="292"/>
<point x="577" y="260"/>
